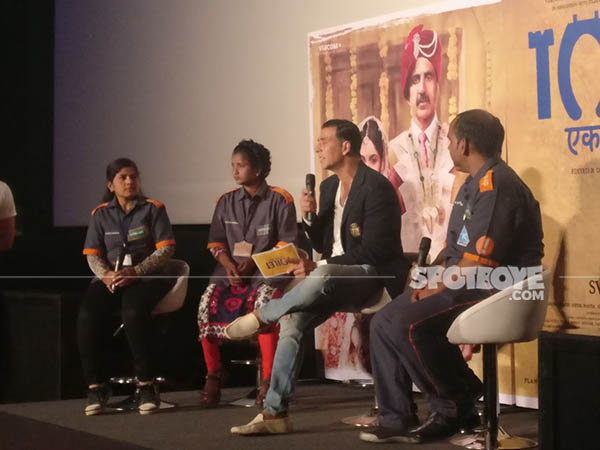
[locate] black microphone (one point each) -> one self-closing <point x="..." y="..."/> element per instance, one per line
<point x="417" y="277"/>
<point x="310" y="187"/>
<point x="424" y="247"/>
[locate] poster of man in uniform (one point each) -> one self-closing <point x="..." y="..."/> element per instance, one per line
<point x="403" y="78"/>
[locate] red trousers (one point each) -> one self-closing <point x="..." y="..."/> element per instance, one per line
<point x="266" y="341"/>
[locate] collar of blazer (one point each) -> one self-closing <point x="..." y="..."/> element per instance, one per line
<point x="355" y="190"/>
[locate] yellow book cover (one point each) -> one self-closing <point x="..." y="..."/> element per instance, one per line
<point x="275" y="262"/>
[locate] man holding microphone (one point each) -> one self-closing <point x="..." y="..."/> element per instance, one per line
<point x="357" y="231"/>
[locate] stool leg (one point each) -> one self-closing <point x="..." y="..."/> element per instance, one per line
<point x="490" y="379"/>
<point x="368" y="419"/>
<point x="249" y="400"/>
<point x="495" y="438"/>
<point x="258" y="370"/>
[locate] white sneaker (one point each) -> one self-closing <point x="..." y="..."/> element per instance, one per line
<point x="259" y="425"/>
<point x="148" y="398"/>
<point x="97" y="399"/>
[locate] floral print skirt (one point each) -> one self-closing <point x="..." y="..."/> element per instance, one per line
<point x="220" y="305"/>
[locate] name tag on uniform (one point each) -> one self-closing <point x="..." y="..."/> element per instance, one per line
<point x="263" y="230"/>
<point x="463" y="237"/>
<point x="242" y="249"/>
<point x="136" y="233"/>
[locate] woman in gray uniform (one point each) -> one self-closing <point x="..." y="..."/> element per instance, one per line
<point x="251" y="219"/>
<point x="129" y="239"/>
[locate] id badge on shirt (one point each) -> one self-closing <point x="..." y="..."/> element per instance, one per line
<point x="127" y="262"/>
<point x="242" y="249"/>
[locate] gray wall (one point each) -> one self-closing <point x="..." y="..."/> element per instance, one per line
<point x="175" y="85"/>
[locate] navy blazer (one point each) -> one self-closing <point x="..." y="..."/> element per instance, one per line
<point x="370" y="227"/>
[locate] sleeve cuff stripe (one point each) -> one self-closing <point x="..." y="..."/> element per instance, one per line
<point x="480" y="259"/>
<point x="215" y="245"/>
<point x="165" y="243"/>
<point x="92" y="251"/>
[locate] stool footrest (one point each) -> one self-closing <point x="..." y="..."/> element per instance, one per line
<point x="505" y="441"/>
<point x="248" y="401"/>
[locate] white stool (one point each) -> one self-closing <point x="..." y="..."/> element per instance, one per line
<point x="377" y="301"/>
<point x="174" y="299"/>
<point x="515" y="314"/>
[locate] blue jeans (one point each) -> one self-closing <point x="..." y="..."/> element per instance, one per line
<point x="328" y="289"/>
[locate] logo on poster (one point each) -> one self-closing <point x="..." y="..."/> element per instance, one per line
<point x="329" y="47"/>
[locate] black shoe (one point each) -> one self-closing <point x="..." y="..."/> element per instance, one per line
<point x="97" y="399"/>
<point x="469" y="422"/>
<point x="476" y="388"/>
<point x="381" y="434"/>
<point x="148" y="398"/>
<point x="436" y="427"/>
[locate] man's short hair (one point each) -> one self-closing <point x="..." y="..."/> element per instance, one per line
<point x="481" y="129"/>
<point x="346" y="131"/>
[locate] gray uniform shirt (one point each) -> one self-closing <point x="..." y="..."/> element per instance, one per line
<point x="495" y="220"/>
<point x="144" y="228"/>
<point x="265" y="220"/>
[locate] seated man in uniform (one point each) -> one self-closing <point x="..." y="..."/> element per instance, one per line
<point x="357" y="230"/>
<point x="495" y="222"/>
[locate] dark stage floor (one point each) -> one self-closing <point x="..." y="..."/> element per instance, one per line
<point x="316" y="415"/>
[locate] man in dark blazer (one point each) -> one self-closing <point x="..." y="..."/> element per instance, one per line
<point x="357" y="230"/>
